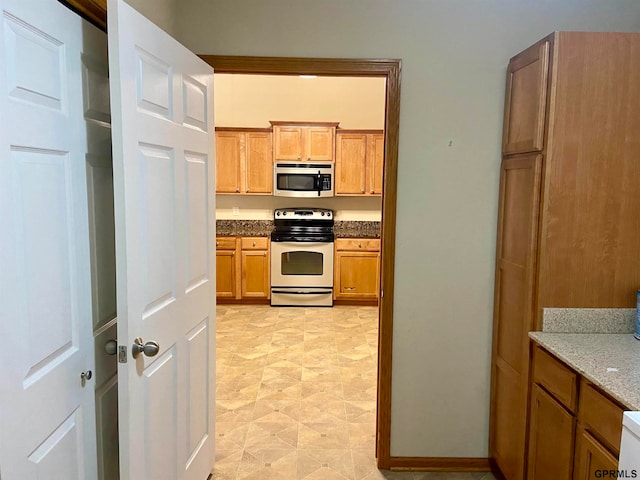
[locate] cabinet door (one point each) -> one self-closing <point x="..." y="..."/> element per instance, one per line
<point x="229" y="153"/>
<point x="356" y="275"/>
<point x="255" y="274"/>
<point x="226" y="273"/>
<point x="375" y="163"/>
<point x="258" y="165"/>
<point x="592" y="459"/>
<point x="320" y="143"/>
<point x="351" y="164"/>
<point x="289" y="142"/>
<point x="551" y="437"/>
<point x="526" y="99"/>
<point x="513" y="310"/>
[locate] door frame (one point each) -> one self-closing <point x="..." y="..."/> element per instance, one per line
<point x="390" y="69"/>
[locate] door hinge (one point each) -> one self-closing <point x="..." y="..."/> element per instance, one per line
<point x="122" y="354"/>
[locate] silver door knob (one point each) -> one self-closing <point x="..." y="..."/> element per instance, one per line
<point x="111" y="347"/>
<point x="149" y="349"/>
<point x="84" y="376"/>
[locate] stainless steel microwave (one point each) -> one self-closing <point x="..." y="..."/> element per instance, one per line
<point x="305" y="180"/>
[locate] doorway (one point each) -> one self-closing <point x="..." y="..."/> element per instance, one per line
<point x="390" y="70"/>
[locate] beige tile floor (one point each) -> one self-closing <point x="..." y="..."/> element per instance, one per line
<point x="296" y="395"/>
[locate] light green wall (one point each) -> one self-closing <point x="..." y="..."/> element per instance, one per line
<point x="454" y="54"/>
<point x="161" y="12"/>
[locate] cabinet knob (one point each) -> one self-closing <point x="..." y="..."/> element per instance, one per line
<point x="237" y="190"/>
<point x="299" y="158"/>
<point x="308" y="158"/>
<point x="360" y="245"/>
<point x="247" y="190"/>
<point x="254" y="244"/>
<point x="362" y="191"/>
<point x="373" y="191"/>
<point x="217" y="244"/>
<point x="264" y="254"/>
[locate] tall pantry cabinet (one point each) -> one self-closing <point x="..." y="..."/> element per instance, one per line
<point x="569" y="208"/>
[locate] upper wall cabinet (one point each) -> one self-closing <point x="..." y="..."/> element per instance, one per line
<point x="359" y="162"/>
<point x="244" y="162"/>
<point x="526" y="98"/>
<point x="304" y="141"/>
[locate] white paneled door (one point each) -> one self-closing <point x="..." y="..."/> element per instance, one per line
<point x="162" y="127"/>
<point x="47" y="417"/>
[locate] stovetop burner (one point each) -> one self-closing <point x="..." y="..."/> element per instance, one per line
<point x="302" y="225"/>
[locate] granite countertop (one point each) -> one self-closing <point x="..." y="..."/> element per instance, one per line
<point x="609" y="360"/>
<point x="263" y="228"/>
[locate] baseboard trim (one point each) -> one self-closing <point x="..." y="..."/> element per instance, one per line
<point x="439" y="464"/>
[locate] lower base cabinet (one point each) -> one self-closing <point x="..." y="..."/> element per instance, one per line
<point x="255" y="268"/>
<point x="592" y="458"/>
<point x="242" y="268"/>
<point x="563" y="445"/>
<point x="226" y="267"/>
<point x="356" y="269"/>
<point x="552" y="438"/>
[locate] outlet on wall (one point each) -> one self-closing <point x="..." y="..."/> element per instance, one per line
<point x="236" y="212"/>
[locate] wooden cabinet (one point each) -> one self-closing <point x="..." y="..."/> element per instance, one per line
<point x="242" y="268"/>
<point x="551" y="438"/>
<point x="244" y="161"/>
<point x="592" y="457"/>
<point x="599" y="433"/>
<point x="356" y="269"/>
<point x="304" y="141"/>
<point x="526" y="100"/>
<point x="359" y="162"/>
<point x="255" y="267"/>
<point x="561" y="444"/>
<point x="226" y="267"/>
<point x="564" y="239"/>
<point x="552" y="422"/>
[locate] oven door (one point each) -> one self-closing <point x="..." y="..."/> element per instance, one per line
<point x="302" y="264"/>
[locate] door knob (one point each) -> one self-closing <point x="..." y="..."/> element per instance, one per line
<point x="111" y="347"/>
<point x="150" y="349"/>
<point x="84" y="376"/>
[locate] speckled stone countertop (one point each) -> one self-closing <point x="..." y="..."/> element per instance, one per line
<point x="609" y="360"/>
<point x="588" y="320"/>
<point x="352" y="229"/>
<point x="263" y="228"/>
<point x="244" y="228"/>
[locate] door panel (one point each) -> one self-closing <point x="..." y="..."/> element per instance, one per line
<point x="351" y="169"/>
<point x="163" y="143"/>
<point x="44" y="247"/>
<point x="526" y="100"/>
<point x="513" y="309"/>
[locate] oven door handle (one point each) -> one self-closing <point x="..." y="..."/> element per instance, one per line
<point x="302" y="292"/>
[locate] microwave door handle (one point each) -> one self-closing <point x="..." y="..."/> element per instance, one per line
<point x="319" y="184"/>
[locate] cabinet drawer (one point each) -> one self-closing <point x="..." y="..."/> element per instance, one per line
<point x="358" y="244"/>
<point x="601" y="416"/>
<point x="555" y="377"/>
<point x="225" y="243"/>
<point x="255" y="243"/>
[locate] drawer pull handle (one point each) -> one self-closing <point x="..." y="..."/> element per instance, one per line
<point x="349" y="288"/>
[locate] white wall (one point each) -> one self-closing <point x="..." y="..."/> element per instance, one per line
<point x="254" y="100"/>
<point x="454" y="54"/>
